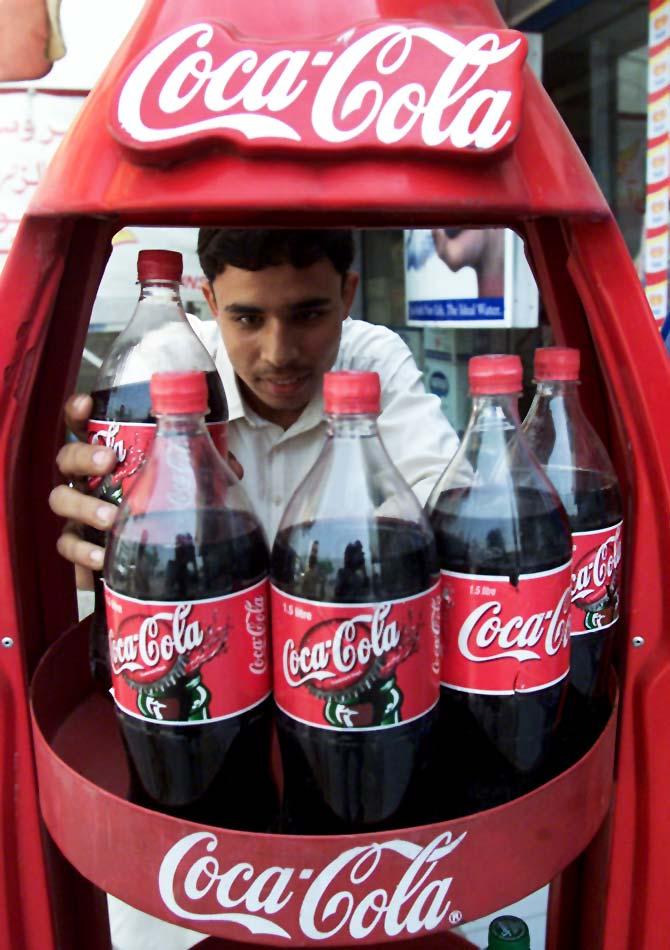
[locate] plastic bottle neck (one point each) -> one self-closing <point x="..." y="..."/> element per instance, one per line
<point x="560" y="391"/>
<point x="358" y="426"/>
<point x="553" y="416"/>
<point x="172" y="426"/>
<point x="494" y="411"/>
<point x="162" y="290"/>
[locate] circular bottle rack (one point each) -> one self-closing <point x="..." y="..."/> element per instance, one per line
<point x="269" y="888"/>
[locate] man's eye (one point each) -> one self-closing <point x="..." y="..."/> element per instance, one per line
<point x="251" y="320"/>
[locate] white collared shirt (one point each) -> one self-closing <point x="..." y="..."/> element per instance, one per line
<point x="415" y="433"/>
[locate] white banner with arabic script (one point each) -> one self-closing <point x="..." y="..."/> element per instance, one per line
<point x="32" y="125"/>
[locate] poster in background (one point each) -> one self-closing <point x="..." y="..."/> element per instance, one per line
<point x="457" y="276"/>
<point x="468" y="278"/>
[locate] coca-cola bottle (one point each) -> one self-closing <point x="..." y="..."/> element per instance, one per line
<point x="186" y="597"/>
<point x="157" y="338"/>
<point x="577" y="463"/>
<point x="355" y="608"/>
<point x="504" y="548"/>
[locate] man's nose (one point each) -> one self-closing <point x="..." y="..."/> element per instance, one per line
<point x="280" y="344"/>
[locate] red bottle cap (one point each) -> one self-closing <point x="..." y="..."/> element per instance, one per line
<point x="493" y="374"/>
<point x="556" y="362"/>
<point x="159" y="265"/>
<point x="347" y="392"/>
<point x="178" y="393"/>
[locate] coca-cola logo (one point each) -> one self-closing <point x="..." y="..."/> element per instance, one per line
<point x="336" y="653"/>
<point x="387" y="85"/>
<point x="146" y="648"/>
<point x="151" y="646"/>
<point x="410" y="893"/>
<point x="181" y="485"/>
<point x="256" y="623"/>
<point x="129" y="443"/>
<point x="596" y="571"/>
<point x="108" y="438"/>
<point x="488" y="635"/>
<point x="436" y="631"/>
<point x="189" y="661"/>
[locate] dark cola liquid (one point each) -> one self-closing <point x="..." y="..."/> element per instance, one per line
<point x="129" y="403"/>
<point x="338" y="782"/>
<point x="218" y="772"/>
<point x="495" y="748"/>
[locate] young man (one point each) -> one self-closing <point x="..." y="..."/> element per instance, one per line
<point x="280" y="300"/>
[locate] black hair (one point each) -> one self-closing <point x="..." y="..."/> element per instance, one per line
<point x="254" y="249"/>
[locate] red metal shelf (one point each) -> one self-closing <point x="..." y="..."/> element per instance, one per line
<point x="267" y="889"/>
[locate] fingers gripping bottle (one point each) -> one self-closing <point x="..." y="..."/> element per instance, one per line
<point x="355" y="610"/>
<point x="575" y="460"/>
<point x="158" y="338"/>
<point x="187" y="614"/>
<point x="504" y="549"/>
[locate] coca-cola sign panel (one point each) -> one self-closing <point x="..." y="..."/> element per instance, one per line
<point x="393" y="888"/>
<point x="396" y="85"/>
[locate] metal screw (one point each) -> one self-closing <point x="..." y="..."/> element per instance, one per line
<point x="7" y="642"/>
<point x="638" y="641"/>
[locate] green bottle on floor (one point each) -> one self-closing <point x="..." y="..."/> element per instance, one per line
<point x="508" y="933"/>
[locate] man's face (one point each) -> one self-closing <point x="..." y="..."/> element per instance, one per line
<point x="281" y="327"/>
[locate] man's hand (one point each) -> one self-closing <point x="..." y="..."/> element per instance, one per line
<point x="78" y="460"/>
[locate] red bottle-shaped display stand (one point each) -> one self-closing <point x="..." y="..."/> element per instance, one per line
<point x="291" y="141"/>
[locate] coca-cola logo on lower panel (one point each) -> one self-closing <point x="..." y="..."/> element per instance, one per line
<point x="391" y="84"/>
<point x="393" y="888"/>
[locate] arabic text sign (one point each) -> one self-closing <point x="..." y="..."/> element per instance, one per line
<point x="32" y="125"/>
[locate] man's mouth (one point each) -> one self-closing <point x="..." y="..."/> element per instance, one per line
<point x="285" y="384"/>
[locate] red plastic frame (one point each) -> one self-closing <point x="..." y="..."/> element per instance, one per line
<point x="516" y="847"/>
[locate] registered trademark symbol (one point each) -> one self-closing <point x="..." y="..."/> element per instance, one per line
<point x="455" y="917"/>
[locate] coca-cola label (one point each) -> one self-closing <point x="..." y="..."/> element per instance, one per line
<point x="500" y="637"/>
<point x="390" y="889"/>
<point x="356" y="666"/>
<point x="381" y="86"/>
<point x="190" y="661"/>
<point x="131" y="442"/>
<point x="596" y="579"/>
